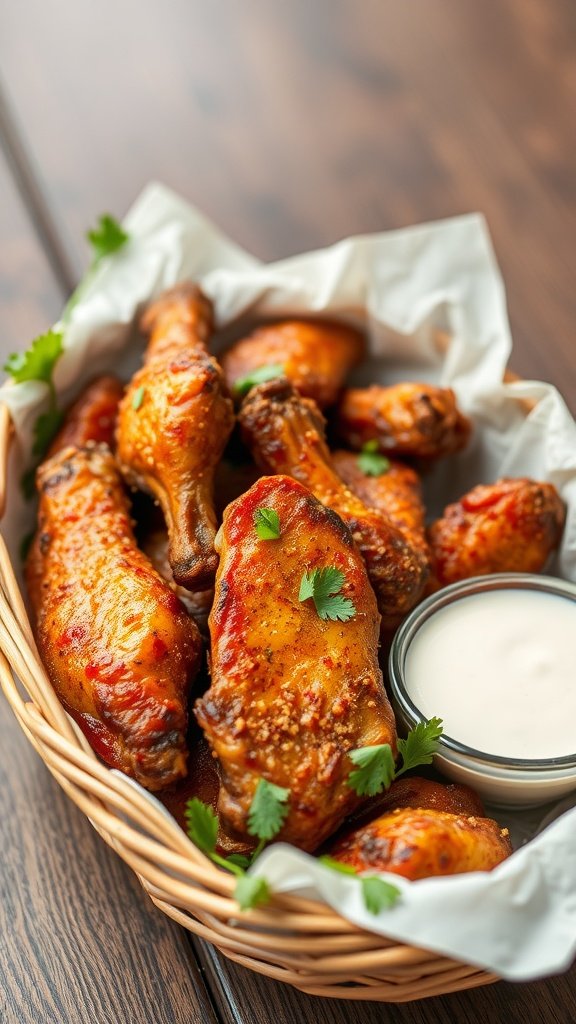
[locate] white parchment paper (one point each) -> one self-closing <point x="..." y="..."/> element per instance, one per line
<point x="412" y="290"/>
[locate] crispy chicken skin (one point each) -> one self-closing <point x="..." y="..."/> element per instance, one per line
<point x="291" y="693"/>
<point x="286" y="435"/>
<point x="118" y="646"/>
<point x="92" y="417"/>
<point x="316" y="356"/>
<point x="420" y="842"/>
<point x="512" y="525"/>
<point x="408" y="420"/>
<point x="174" y="422"/>
<point x="417" y="792"/>
<point x="397" y="493"/>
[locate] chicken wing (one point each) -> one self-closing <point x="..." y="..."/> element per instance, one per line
<point x="117" y="644"/>
<point x="419" y="843"/>
<point x="173" y="425"/>
<point x="291" y="693"/>
<point x="155" y="544"/>
<point x="416" y="792"/>
<point x="512" y="525"/>
<point x="315" y="355"/>
<point x="92" y="417"/>
<point x="396" y="492"/>
<point x="407" y="420"/>
<point x="286" y="435"/>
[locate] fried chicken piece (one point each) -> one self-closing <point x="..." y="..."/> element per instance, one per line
<point x="155" y="544"/>
<point x="420" y="842"/>
<point x="174" y="422"/>
<point x="118" y="646"/>
<point x="291" y="693"/>
<point x="512" y="525"/>
<point x="417" y="792"/>
<point x="396" y="492"/>
<point x="315" y="355"/>
<point x="408" y="420"/>
<point x="92" y="417"/>
<point x="285" y="433"/>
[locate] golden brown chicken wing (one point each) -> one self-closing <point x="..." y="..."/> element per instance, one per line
<point x="92" y="417"/>
<point x="407" y="420"/>
<point x="315" y="355"/>
<point x="117" y="644"/>
<point x="291" y="693"/>
<point x="512" y="525"/>
<point x="155" y="544"/>
<point x="174" y="422"/>
<point x="419" y="843"/>
<point x="416" y="792"/>
<point x="396" y="492"/>
<point x="286" y="435"/>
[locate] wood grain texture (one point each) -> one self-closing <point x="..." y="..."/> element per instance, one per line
<point x="292" y="125"/>
<point x="76" y="928"/>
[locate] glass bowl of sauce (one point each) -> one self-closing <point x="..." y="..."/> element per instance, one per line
<point x="495" y="658"/>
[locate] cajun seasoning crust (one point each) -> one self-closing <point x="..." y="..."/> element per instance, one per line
<point x="174" y="422"/>
<point x="290" y="693"/>
<point x="509" y="526"/>
<point x="419" y="843"/>
<point x="118" y="646"/>
<point x="285" y="434"/>
<point x="408" y="420"/>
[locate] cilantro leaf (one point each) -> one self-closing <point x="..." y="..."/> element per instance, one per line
<point x="336" y="865"/>
<point x="138" y="398"/>
<point x="201" y="824"/>
<point x="420" y="744"/>
<point x="107" y="237"/>
<point x="45" y="428"/>
<point x="261" y="374"/>
<point x="267" y="524"/>
<point x="371" y="462"/>
<point x="378" y="895"/>
<point x="268" y="810"/>
<point x="375" y="770"/>
<point x="323" y="586"/>
<point x="241" y="860"/>
<point x="39" y="360"/>
<point x="251" y="892"/>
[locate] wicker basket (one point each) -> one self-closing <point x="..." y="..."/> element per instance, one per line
<point x="294" y="940"/>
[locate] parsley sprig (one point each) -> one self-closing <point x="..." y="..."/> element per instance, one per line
<point x="267" y="524"/>
<point x="324" y="586"/>
<point x="243" y="385"/>
<point x="40" y="358"/>
<point x="371" y="462"/>
<point x="376" y="892"/>
<point x="266" y="816"/>
<point x="376" y="770"/>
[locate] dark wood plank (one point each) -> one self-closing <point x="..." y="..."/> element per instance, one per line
<point x="296" y="124"/>
<point x="79" y="940"/>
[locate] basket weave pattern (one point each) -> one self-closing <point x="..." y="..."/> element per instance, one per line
<point x="303" y="943"/>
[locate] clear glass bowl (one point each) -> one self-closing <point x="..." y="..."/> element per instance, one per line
<point x="507" y="782"/>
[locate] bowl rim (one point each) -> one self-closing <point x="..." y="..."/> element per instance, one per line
<point x="432" y="604"/>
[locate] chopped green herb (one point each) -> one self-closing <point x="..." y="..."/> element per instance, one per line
<point x="38" y="361"/>
<point x="138" y="397"/>
<point x="107" y="237"/>
<point x="251" y="892"/>
<point x="243" y="385"/>
<point x="371" y="462"/>
<point x="201" y="825"/>
<point x="267" y="524"/>
<point x="323" y="586"/>
<point x="420" y="745"/>
<point x="378" y="895"/>
<point x="375" y="770"/>
<point x="268" y="810"/>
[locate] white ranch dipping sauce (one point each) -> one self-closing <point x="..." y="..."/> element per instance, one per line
<point x="499" y="668"/>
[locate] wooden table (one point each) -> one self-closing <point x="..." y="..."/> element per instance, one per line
<point x="291" y="125"/>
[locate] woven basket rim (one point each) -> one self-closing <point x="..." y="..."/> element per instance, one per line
<point x="299" y="941"/>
